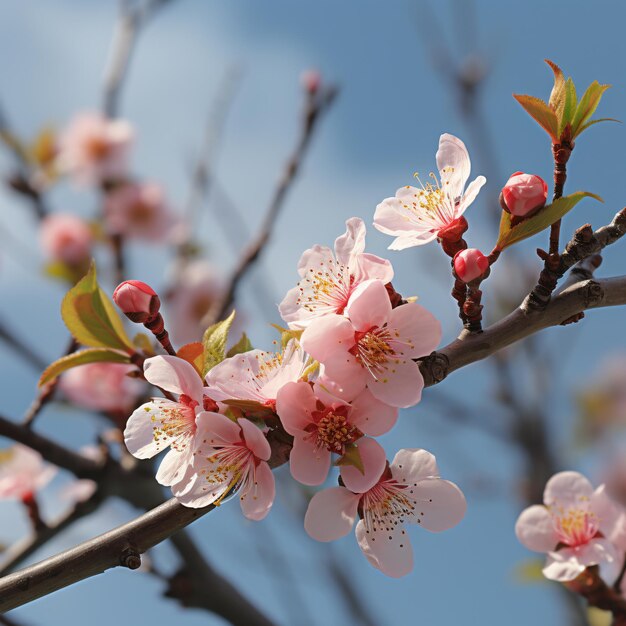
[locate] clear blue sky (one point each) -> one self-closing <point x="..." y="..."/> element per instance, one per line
<point x="392" y="108"/>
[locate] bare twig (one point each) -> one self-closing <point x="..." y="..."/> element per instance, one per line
<point x="15" y="343"/>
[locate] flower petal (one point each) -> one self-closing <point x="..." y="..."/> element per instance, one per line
<point x="216" y="430"/>
<point x="371" y="416"/>
<point x="418" y="329"/>
<point x="470" y="194"/>
<point x="440" y="504"/>
<point x="352" y="242"/>
<point x="567" y="489"/>
<point x="255" y="439"/>
<point x="331" y="514"/>
<point x="327" y="336"/>
<point x="369" y="306"/>
<point x="562" y="566"/>
<point x="387" y="549"/>
<point x="413" y="464"/>
<point x="174" y="375"/>
<point x="294" y="404"/>
<point x="374" y="460"/>
<point x="258" y="495"/>
<point x="400" y="384"/>
<point x="144" y="434"/>
<point x="308" y="463"/>
<point x="535" y="530"/>
<point x="370" y="267"/>
<point x="453" y="163"/>
<point x="173" y="466"/>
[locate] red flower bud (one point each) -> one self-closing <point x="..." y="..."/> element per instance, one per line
<point x="524" y="194"/>
<point x="137" y="300"/>
<point x="470" y="264"/>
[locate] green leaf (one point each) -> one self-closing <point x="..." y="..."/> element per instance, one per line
<point x="214" y="342"/>
<point x="286" y="335"/>
<point x="530" y="571"/>
<point x="91" y="355"/>
<point x="558" y="95"/>
<point x="541" y="113"/>
<point x="569" y="107"/>
<point x="243" y="345"/>
<point x="592" y="122"/>
<point x="587" y="106"/>
<point x="351" y="456"/>
<point x="91" y="317"/>
<point x="543" y="219"/>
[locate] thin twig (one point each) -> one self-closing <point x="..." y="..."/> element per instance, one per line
<point x="15" y="343"/>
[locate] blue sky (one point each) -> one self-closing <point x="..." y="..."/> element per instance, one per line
<point x="385" y="125"/>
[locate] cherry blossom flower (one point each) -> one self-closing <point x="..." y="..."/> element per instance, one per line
<point x="256" y="375"/>
<point x="66" y="238"/>
<point x="102" y="386"/>
<point x="328" y="280"/>
<point x="198" y="287"/>
<point x="321" y="429"/>
<point x="95" y="149"/>
<point x="409" y="491"/>
<point x="23" y="473"/>
<point x="162" y="423"/>
<point x="416" y="215"/>
<point x="577" y="527"/>
<point x="375" y="345"/>
<point x="231" y="457"/>
<point x="138" y="210"/>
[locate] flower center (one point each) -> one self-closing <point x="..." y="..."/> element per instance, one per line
<point x="575" y="527"/>
<point x="328" y="287"/>
<point x="141" y="213"/>
<point x="97" y="148"/>
<point x="176" y="423"/>
<point x="333" y="429"/>
<point x="373" y="349"/>
<point x="232" y="465"/>
<point x="385" y="506"/>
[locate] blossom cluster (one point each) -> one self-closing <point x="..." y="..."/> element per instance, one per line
<point x="347" y="366"/>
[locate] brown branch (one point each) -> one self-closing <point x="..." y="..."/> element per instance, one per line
<point x="597" y="593"/>
<point x="317" y="104"/>
<point x="519" y="324"/>
<point x="21" y="349"/>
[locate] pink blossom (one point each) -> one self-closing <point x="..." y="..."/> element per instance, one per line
<point x="577" y="527"/>
<point x="375" y="345"/>
<point x="524" y="194"/>
<point x="409" y="491"/>
<point x="161" y="423"/>
<point x="22" y="472"/>
<point x="256" y="375"/>
<point x="231" y="457"/>
<point x="416" y="215"/>
<point x="197" y="289"/>
<point x="66" y="238"/>
<point x="95" y="149"/>
<point x="328" y="280"/>
<point x="137" y="300"/>
<point x="323" y="428"/>
<point x="469" y="264"/>
<point x="102" y="386"/>
<point x="138" y="210"/>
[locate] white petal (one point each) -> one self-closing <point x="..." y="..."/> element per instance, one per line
<point x="387" y="549"/>
<point x="534" y="529"/>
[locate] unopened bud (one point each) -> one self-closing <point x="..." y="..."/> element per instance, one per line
<point x="524" y="194"/>
<point x="137" y="300"/>
<point x="470" y="264"/>
<point x="311" y="80"/>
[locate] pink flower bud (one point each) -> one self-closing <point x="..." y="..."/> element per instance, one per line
<point x="66" y="238"/>
<point x="137" y="300"/>
<point x="470" y="264"/>
<point x="311" y="80"/>
<point x="524" y="194"/>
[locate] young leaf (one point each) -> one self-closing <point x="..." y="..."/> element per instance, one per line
<point x="91" y="317"/>
<point x="558" y="94"/>
<point x="214" y="342"/>
<point x="569" y="107"/>
<point x="286" y="335"/>
<point x="541" y="113"/>
<point x="193" y="353"/>
<point x="82" y="357"/>
<point x="592" y="122"/>
<point x="243" y="345"/>
<point x="587" y="106"/>
<point x="543" y="219"/>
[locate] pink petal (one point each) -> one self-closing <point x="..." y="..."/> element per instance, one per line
<point x="452" y="155"/>
<point x="258" y="495"/>
<point x="418" y="329"/>
<point x="411" y="465"/>
<point x="440" y="504"/>
<point x="535" y="530"/>
<point x="371" y="416"/>
<point x="290" y="309"/>
<point x="568" y="563"/>
<point x="329" y="391"/>
<point x="327" y="336"/>
<point x="173" y="466"/>
<point x="314" y="258"/>
<point x="388" y="550"/>
<point x="352" y="242"/>
<point x="235" y="377"/>
<point x="196" y="492"/>
<point x="331" y="514"/>
<point x="392" y="218"/>
<point x="308" y="463"/>
<point x="421" y="236"/>
<point x="374" y="461"/>
<point x="369" y="305"/>
<point x="346" y="372"/>
<point x="399" y="385"/>
<point x="216" y="430"/>
<point x="140" y="432"/>
<point x="294" y="404"/>
<point x="255" y="439"/>
<point x="369" y="267"/>
<point x="611" y="515"/>
<point x="567" y="489"/>
<point x="174" y="375"/>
